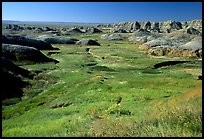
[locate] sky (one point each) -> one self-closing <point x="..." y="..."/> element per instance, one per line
<point x="101" y="12"/>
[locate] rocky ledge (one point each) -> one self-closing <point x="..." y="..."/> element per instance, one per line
<point x="161" y="27"/>
<point x="171" y="38"/>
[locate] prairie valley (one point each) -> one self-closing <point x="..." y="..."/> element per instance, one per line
<point x="127" y="79"/>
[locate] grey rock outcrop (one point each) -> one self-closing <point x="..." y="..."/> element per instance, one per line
<point x="194" y="45"/>
<point x="159" y="42"/>
<point x="102" y="26"/>
<point x="58" y="40"/>
<point x="75" y="31"/>
<point x="24" y="53"/>
<point x="193" y="31"/>
<point x="14" y="27"/>
<point x="164" y="27"/>
<point x="143" y="36"/>
<point x="115" y="36"/>
<point x="38" y="30"/>
<point x="93" y="30"/>
<point x="20" y="40"/>
<point x="180" y="39"/>
<point x="87" y="42"/>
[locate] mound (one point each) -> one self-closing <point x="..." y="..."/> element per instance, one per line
<point x="143" y="36"/>
<point x="87" y="42"/>
<point x="159" y="42"/>
<point x="8" y="65"/>
<point x="20" y="40"/>
<point x="65" y="33"/>
<point x="115" y="36"/>
<point x="193" y="31"/>
<point x="119" y="31"/>
<point x="38" y="30"/>
<point x="59" y="40"/>
<point x="14" y="27"/>
<point x="195" y="44"/>
<point x="11" y="85"/>
<point x="24" y="53"/>
<point x="93" y="30"/>
<point x="48" y="29"/>
<point x="75" y="30"/>
<point x="141" y="32"/>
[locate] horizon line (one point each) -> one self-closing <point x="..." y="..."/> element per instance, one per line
<point x="91" y="22"/>
<point x="57" y="21"/>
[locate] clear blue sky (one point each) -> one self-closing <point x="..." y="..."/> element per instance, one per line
<point x="101" y="12"/>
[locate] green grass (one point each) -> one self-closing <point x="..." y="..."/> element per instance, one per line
<point x="155" y="102"/>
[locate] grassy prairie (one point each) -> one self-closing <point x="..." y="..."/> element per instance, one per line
<point x="79" y="95"/>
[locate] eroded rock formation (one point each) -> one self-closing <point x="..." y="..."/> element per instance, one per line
<point x="164" y="27"/>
